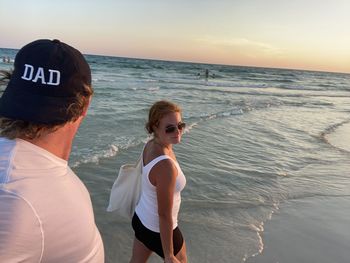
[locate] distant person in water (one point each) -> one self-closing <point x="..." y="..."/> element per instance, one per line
<point x="46" y="213"/>
<point x="206" y="74"/>
<point x="155" y="221"/>
<point x="6" y="59"/>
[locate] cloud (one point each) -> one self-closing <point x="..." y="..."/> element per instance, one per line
<point x="244" y="45"/>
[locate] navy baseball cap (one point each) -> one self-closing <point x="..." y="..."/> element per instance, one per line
<point x="47" y="78"/>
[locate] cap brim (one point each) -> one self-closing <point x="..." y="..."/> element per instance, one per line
<point x="34" y="108"/>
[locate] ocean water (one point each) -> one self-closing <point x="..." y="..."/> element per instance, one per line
<point x="256" y="138"/>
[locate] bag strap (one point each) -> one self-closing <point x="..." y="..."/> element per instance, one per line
<point x="141" y="155"/>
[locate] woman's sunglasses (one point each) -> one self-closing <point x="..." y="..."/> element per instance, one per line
<point x="172" y="128"/>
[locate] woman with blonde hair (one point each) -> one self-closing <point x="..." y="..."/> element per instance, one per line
<point x="155" y="221"/>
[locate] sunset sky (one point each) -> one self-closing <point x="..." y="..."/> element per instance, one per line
<point x="302" y="34"/>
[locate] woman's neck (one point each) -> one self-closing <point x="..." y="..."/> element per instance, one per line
<point x="167" y="147"/>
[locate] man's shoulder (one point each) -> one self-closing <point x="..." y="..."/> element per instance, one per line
<point x="6" y="145"/>
<point x="18" y="222"/>
<point x="6" y="154"/>
<point x="11" y="199"/>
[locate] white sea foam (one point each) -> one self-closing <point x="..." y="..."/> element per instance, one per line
<point x="95" y="158"/>
<point x="109" y="152"/>
<point x="153" y="88"/>
<point x="190" y="126"/>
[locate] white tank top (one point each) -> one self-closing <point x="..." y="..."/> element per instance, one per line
<point x="147" y="208"/>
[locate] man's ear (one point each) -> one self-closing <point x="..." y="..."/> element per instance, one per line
<point x="86" y="107"/>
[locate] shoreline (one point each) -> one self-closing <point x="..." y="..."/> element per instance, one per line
<point x="307" y="230"/>
<point x="339" y="138"/>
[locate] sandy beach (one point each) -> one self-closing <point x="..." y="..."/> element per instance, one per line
<point x="308" y="230"/>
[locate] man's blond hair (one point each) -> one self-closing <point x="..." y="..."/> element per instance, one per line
<point x="12" y="128"/>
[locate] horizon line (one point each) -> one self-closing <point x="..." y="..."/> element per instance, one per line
<point x="206" y="63"/>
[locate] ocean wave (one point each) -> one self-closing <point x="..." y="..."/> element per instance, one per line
<point x="196" y="120"/>
<point x="149" y="89"/>
<point x="153" y="88"/>
<point x="333" y="127"/>
<point x="190" y="127"/>
<point x="203" y="84"/>
<point x="330" y="135"/>
<point x="95" y="158"/>
<point x="111" y="151"/>
<point x="103" y="80"/>
<point x="269" y="79"/>
<point x="226" y="113"/>
<point x="305" y="196"/>
<point x="235" y="110"/>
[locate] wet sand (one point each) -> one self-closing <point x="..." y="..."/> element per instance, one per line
<point x="308" y="230"/>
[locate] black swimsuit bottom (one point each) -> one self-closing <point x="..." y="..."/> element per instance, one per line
<point x="152" y="239"/>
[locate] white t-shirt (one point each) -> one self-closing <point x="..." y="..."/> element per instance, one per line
<point x="45" y="210"/>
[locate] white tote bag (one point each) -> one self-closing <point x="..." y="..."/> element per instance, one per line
<point x="126" y="190"/>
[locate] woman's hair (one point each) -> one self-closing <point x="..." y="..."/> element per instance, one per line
<point x="158" y="111"/>
<point x="12" y="128"/>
